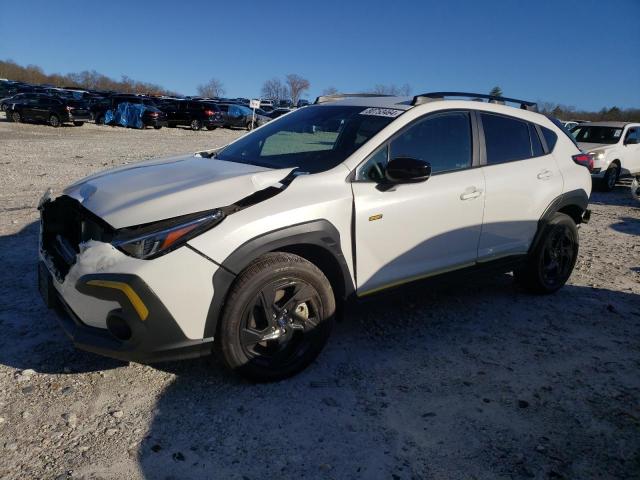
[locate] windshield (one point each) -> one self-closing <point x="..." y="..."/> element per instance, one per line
<point x="597" y="134"/>
<point x="314" y="139"/>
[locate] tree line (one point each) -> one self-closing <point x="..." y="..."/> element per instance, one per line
<point x="89" y="79"/>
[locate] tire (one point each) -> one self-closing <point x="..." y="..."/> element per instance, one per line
<point x="16" y="117"/>
<point x="157" y="127"/>
<point x="78" y="124"/>
<point x="196" y="125"/>
<point x="3" y="107"/>
<point x="258" y="336"/>
<point x="100" y="120"/>
<point x="211" y="128"/>
<point x="635" y="188"/>
<point x="608" y="183"/>
<point x="54" y="121"/>
<point x="550" y="264"/>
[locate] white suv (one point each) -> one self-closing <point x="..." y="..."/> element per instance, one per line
<point x="249" y="250"/>
<point x="615" y="148"/>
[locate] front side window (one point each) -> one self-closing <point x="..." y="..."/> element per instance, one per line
<point x="633" y="133"/>
<point x="313" y="139"/>
<point x="506" y="139"/>
<point x="443" y="140"/>
<point x="597" y="134"/>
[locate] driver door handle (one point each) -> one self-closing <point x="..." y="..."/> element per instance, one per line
<point x="470" y="193"/>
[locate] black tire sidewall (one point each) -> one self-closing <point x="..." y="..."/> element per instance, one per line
<point x="54" y="124"/>
<point x="612" y="170"/>
<point x="559" y="220"/>
<point x="244" y="292"/>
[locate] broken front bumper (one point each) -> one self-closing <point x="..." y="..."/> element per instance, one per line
<point x="140" y="329"/>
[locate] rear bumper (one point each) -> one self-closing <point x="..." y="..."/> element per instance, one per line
<point x="156" y="338"/>
<point x="150" y="122"/>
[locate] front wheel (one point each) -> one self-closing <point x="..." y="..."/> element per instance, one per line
<point x="157" y="127"/>
<point x="550" y="264"/>
<point x="78" y="124"/>
<point x="211" y="128"/>
<point x="16" y="117"/>
<point x="610" y="178"/>
<point x="54" y="121"/>
<point x="277" y="318"/>
<point x="196" y="125"/>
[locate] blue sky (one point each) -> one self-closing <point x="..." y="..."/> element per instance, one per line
<point x="584" y="53"/>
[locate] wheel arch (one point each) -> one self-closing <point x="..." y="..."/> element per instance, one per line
<point x="573" y="203"/>
<point x="317" y="241"/>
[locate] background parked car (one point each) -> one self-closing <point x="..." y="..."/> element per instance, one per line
<point x="278" y="112"/>
<point x="302" y="103"/>
<point x="234" y="115"/>
<point x="49" y="109"/>
<point x="196" y="114"/>
<point x="151" y="117"/>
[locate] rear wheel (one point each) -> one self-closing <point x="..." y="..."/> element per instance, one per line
<point x="211" y="128"/>
<point x="157" y="127"/>
<point x="550" y="264"/>
<point x="277" y="318"/>
<point x="196" y="125"/>
<point x="78" y="124"/>
<point x="100" y="120"/>
<point x="54" y="121"/>
<point x="16" y="117"/>
<point x="610" y="179"/>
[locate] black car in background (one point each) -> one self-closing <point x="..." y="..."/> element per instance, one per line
<point x="234" y="115"/>
<point x="151" y="117"/>
<point x="48" y="109"/>
<point x="193" y="113"/>
<point x="278" y="112"/>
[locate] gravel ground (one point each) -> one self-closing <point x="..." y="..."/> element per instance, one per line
<point x="474" y="380"/>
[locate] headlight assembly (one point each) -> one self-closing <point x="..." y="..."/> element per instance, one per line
<point x="156" y="239"/>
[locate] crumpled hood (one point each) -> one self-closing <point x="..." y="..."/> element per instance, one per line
<point x="159" y="189"/>
<point x="590" y="147"/>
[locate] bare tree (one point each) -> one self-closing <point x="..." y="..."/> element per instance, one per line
<point x="274" y="89"/>
<point x="213" y="88"/>
<point x="297" y="85"/>
<point x="330" y="91"/>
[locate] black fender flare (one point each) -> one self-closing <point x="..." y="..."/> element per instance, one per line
<point x="574" y="198"/>
<point x="318" y="233"/>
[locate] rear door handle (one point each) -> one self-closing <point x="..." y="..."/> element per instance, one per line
<point x="470" y="193"/>
<point x="545" y="175"/>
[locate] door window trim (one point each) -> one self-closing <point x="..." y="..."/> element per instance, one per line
<point x="475" y="144"/>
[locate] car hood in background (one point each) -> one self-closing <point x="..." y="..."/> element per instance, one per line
<point x="589" y="147"/>
<point x="159" y="189"/>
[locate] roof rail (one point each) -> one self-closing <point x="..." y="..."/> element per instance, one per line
<point x="434" y="96"/>
<point x="338" y="96"/>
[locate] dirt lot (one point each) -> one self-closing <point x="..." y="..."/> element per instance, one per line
<point x="474" y="380"/>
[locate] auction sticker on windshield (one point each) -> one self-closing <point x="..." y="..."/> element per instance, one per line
<point x="382" y="112"/>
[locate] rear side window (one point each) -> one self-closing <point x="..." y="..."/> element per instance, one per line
<point x="549" y="137"/>
<point x="506" y="139"/>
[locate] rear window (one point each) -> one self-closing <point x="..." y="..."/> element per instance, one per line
<point x="506" y="139"/>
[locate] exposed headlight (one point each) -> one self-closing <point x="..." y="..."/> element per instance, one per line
<point x="156" y="239"/>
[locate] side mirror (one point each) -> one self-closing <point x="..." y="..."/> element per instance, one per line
<point x="631" y="141"/>
<point x="407" y="170"/>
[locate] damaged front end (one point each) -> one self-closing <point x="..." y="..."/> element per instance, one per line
<point x="65" y="225"/>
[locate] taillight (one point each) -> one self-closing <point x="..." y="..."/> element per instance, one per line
<point x="584" y="159"/>
<point x="209" y="113"/>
